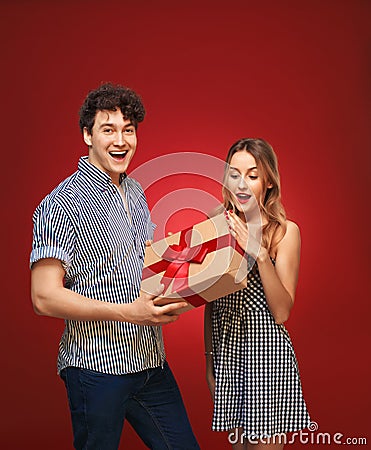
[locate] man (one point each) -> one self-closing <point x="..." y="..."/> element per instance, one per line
<point x="87" y="257"/>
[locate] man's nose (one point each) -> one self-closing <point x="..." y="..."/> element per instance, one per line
<point x="119" y="139"/>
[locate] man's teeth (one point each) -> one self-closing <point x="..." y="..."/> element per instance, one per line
<point x="120" y="154"/>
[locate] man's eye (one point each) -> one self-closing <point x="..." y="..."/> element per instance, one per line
<point x="129" y="130"/>
<point x="107" y="130"/>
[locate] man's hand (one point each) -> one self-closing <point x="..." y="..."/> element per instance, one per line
<point x="144" y="311"/>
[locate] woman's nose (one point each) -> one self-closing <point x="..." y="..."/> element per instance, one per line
<point x="242" y="184"/>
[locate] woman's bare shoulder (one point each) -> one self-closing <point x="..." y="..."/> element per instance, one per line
<point x="291" y="237"/>
<point x="292" y="227"/>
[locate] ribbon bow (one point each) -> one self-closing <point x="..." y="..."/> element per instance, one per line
<point x="176" y="261"/>
<point x="180" y="257"/>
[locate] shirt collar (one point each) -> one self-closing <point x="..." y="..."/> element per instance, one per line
<point x="96" y="176"/>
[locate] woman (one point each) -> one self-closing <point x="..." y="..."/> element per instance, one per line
<point x="251" y="368"/>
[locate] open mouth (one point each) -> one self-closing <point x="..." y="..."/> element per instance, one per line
<point x="118" y="156"/>
<point x="243" y="198"/>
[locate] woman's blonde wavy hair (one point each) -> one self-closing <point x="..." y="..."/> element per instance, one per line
<point x="271" y="207"/>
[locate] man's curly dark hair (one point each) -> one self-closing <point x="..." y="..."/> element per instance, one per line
<point x="109" y="97"/>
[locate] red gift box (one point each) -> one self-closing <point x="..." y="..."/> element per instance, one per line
<point x="198" y="264"/>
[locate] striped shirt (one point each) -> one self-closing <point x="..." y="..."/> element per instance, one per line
<point x="84" y="224"/>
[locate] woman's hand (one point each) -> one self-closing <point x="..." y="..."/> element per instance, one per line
<point x="245" y="239"/>
<point x="210" y="378"/>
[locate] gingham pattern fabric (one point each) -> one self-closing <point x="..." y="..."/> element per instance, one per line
<point x="257" y="378"/>
<point x="84" y="224"/>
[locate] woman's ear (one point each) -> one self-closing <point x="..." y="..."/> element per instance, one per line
<point x="87" y="137"/>
<point x="269" y="185"/>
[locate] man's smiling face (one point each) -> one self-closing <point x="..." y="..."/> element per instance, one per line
<point x="112" y="143"/>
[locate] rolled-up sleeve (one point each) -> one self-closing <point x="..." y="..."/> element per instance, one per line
<point x="53" y="234"/>
<point x="150" y="229"/>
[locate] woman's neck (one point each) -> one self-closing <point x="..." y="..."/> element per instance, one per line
<point x="252" y="218"/>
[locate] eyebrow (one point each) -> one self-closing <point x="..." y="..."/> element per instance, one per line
<point x="249" y="170"/>
<point x="109" y="124"/>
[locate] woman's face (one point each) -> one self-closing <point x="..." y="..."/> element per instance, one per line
<point x="244" y="181"/>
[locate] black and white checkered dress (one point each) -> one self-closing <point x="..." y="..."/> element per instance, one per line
<point x="256" y="372"/>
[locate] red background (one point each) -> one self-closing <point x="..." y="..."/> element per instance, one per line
<point x="293" y="72"/>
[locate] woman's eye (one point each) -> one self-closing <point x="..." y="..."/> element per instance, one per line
<point x="253" y="177"/>
<point x="234" y="176"/>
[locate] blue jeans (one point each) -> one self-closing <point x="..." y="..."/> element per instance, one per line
<point x="150" y="400"/>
